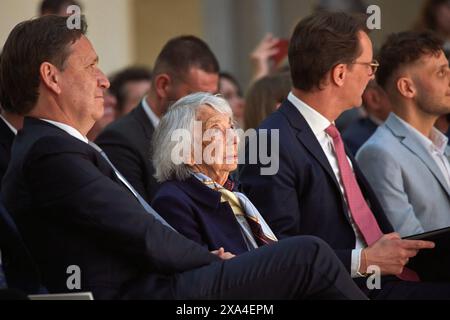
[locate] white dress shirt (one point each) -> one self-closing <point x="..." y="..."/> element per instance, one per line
<point x="70" y="130"/>
<point x="318" y="124"/>
<point x="14" y="130"/>
<point x="436" y="146"/>
<point x="151" y="115"/>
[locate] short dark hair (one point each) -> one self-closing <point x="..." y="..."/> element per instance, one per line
<point x="31" y="43"/>
<point x="405" y="48"/>
<point x="55" y="6"/>
<point x="120" y="79"/>
<point x="320" y="42"/>
<point x="182" y="53"/>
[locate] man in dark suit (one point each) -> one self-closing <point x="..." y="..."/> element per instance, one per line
<point x="319" y="189"/>
<point x="9" y="124"/>
<point x="185" y="65"/>
<point x="377" y="107"/>
<point x="84" y="229"/>
<point x="15" y="260"/>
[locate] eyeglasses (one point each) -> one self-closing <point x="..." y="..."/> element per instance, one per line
<point x="373" y="66"/>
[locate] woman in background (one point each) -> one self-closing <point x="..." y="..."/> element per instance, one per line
<point x="230" y="89"/>
<point x="264" y="97"/>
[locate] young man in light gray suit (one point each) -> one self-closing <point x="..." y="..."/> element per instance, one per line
<point x="406" y="160"/>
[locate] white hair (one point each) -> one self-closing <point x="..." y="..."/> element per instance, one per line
<point x="181" y="115"/>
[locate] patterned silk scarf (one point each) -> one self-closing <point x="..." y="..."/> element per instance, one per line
<point x="254" y="228"/>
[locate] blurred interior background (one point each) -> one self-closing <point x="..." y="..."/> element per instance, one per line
<point x="132" y="32"/>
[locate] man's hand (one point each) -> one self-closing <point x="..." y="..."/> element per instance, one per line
<point x="222" y="254"/>
<point x="390" y="253"/>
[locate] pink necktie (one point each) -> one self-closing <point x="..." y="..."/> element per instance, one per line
<point x="360" y="211"/>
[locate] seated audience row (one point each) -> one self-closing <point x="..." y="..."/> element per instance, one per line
<point x="73" y="207"/>
<point x="318" y="190"/>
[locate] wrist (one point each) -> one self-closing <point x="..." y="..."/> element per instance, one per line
<point x="362" y="272"/>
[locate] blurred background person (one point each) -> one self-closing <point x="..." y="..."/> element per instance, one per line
<point x="435" y="16"/>
<point x="377" y="107"/>
<point x="264" y="97"/>
<point x="185" y="65"/>
<point x="350" y="6"/>
<point x="129" y="86"/>
<point x="230" y="89"/>
<point x="109" y="115"/>
<point x="268" y="57"/>
<point x="58" y="7"/>
<point x="443" y="124"/>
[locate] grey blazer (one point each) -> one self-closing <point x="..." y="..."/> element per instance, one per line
<point x="406" y="179"/>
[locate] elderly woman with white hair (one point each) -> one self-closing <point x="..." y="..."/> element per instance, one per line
<point x="197" y="196"/>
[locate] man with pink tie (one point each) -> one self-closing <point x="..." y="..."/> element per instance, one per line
<point x="319" y="189"/>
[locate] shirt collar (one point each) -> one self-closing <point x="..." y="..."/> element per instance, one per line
<point x="437" y="141"/>
<point x="315" y="120"/>
<point x="10" y="126"/>
<point x="70" y="130"/>
<point x="151" y="115"/>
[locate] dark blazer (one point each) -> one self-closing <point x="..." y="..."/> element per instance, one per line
<point x="127" y="142"/>
<point x="357" y="133"/>
<point x="71" y="210"/>
<point x="20" y="269"/>
<point x="304" y="197"/>
<point x="6" y="140"/>
<point x="197" y="212"/>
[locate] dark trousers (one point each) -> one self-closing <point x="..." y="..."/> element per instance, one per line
<point x="295" y="268"/>
<point x="393" y="288"/>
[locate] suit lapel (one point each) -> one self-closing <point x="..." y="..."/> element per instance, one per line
<point x="306" y="136"/>
<point x="413" y="144"/>
<point x="142" y="117"/>
<point x="6" y="135"/>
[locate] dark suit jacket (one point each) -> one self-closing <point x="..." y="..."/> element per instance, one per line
<point x="304" y="197"/>
<point x="6" y="140"/>
<point x="197" y="212"/>
<point x="20" y="269"/>
<point x="71" y="210"/>
<point x="357" y="133"/>
<point x="127" y="142"/>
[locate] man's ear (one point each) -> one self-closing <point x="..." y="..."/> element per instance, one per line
<point x="162" y="85"/>
<point x="338" y="74"/>
<point x="406" y="88"/>
<point x="50" y="76"/>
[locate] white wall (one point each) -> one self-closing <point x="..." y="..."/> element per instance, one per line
<point x="111" y="30"/>
<point x="110" y="27"/>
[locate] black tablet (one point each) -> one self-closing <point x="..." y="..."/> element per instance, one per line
<point x="430" y="235"/>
